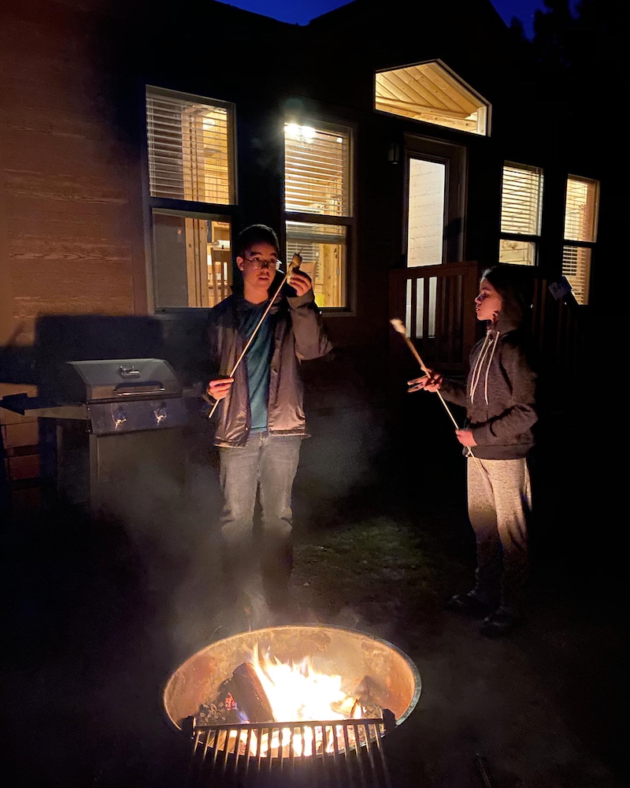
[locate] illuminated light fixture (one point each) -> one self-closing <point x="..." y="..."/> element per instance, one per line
<point x="301" y="133"/>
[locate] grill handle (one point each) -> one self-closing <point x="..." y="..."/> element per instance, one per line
<point x="128" y="371"/>
<point x="146" y="387"/>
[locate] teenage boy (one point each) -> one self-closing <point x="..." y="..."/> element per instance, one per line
<point x="260" y="420"/>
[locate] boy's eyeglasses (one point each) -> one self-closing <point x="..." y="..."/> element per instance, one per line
<point x="257" y="264"/>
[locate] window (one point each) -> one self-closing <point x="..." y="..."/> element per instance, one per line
<point x="580" y="234"/>
<point x="191" y="195"/>
<point x="192" y="262"/>
<point x="521" y="210"/>
<point x="431" y="92"/>
<point x="318" y="206"/>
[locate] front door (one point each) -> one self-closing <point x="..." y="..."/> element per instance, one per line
<point x="430" y="294"/>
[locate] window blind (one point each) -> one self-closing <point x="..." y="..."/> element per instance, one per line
<point x="576" y="266"/>
<point x="581" y="210"/>
<point x="521" y="199"/>
<point x="189" y="150"/>
<point x="317" y="170"/>
<point x="306" y="238"/>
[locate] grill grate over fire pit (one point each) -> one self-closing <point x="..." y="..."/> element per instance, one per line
<point x="345" y="765"/>
<point x="283" y="751"/>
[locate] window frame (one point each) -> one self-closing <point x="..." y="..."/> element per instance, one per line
<point x="591" y="245"/>
<point x="535" y="239"/>
<point x="305" y="217"/>
<point x="191" y="209"/>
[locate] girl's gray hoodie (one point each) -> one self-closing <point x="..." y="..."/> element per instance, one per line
<point x="499" y="395"/>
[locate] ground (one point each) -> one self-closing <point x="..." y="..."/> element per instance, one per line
<point x="97" y="616"/>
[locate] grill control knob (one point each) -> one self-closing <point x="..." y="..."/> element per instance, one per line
<point x="160" y="414"/>
<point x="120" y="417"/>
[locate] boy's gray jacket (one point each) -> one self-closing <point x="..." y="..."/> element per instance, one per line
<point x="299" y="335"/>
<point x="499" y="395"/>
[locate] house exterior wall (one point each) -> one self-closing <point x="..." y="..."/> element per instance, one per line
<point x="75" y="235"/>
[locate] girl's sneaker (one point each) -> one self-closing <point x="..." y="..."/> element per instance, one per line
<point x="468" y="605"/>
<point x="500" y="623"/>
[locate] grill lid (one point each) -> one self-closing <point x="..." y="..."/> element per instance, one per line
<point x="92" y="381"/>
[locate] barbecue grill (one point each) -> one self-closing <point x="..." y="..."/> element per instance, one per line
<point x="105" y="421"/>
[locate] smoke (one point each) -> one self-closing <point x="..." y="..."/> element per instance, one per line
<point x="172" y="530"/>
<point x="338" y="464"/>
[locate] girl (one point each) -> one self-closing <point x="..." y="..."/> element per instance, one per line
<point x="499" y="398"/>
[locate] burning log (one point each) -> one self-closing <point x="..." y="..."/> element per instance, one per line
<point x="246" y="697"/>
<point x="250" y="695"/>
<point x="241" y="698"/>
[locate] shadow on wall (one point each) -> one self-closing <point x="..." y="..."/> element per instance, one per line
<point x="178" y="339"/>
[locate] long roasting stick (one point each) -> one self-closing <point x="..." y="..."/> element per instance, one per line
<point x="399" y="326"/>
<point x="295" y="262"/>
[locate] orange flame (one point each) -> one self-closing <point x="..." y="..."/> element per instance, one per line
<point x="298" y="692"/>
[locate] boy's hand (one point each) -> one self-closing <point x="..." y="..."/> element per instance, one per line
<point x="300" y="282"/>
<point x="465" y="437"/>
<point x="220" y="388"/>
<point x="430" y="382"/>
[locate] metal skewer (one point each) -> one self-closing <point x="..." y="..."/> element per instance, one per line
<point x="399" y="327"/>
<point x="296" y="261"/>
<point x="482" y="768"/>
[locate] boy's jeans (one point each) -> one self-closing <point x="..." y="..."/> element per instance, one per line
<point x="268" y="461"/>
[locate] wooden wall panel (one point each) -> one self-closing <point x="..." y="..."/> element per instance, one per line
<point x="71" y="229"/>
<point x="71" y="179"/>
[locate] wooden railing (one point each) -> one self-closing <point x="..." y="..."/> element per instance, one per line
<point x="561" y="331"/>
<point x="436" y="303"/>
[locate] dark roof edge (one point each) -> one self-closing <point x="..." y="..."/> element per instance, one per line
<point x="347" y="10"/>
<point x="269" y="20"/>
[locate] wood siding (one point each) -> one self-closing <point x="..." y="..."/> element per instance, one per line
<point x="73" y="223"/>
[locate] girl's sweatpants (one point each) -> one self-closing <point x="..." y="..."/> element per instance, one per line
<point x="499" y="506"/>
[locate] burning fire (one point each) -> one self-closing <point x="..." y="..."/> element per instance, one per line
<point x="299" y="692"/>
<point x="296" y="693"/>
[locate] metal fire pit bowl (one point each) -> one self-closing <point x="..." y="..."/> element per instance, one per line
<point x="395" y="681"/>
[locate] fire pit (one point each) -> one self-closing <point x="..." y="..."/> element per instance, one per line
<point x="233" y="699"/>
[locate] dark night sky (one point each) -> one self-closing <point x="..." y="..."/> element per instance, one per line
<point x="303" y="11"/>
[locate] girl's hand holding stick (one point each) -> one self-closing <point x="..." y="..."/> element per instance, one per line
<point x="432" y="381"/>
